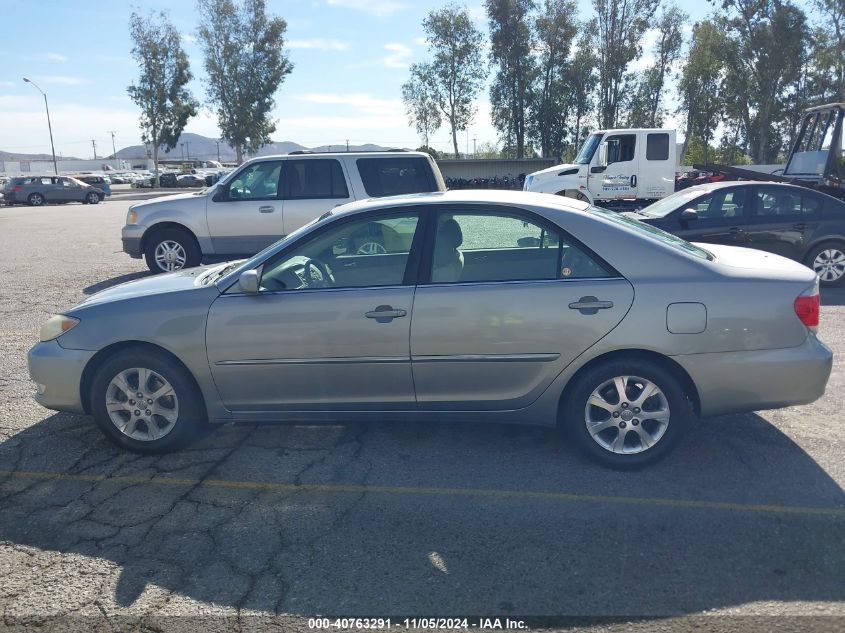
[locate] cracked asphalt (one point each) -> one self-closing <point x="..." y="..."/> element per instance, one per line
<point x="259" y="527"/>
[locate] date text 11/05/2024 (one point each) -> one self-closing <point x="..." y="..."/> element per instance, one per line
<point x="418" y="623"/>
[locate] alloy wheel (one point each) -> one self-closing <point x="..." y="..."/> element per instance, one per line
<point x="829" y="264"/>
<point x="627" y="414"/>
<point x="371" y="248"/>
<point x="170" y="255"/>
<point x="142" y="404"/>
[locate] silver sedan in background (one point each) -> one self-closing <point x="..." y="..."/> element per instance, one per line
<point x="473" y="305"/>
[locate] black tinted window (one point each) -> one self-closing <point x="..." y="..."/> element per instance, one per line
<point x="657" y="147"/>
<point x="313" y="178"/>
<point x="721" y="205"/>
<point x="620" y="148"/>
<point x="395" y="176"/>
<point x="774" y="202"/>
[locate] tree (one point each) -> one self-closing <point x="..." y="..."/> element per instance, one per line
<point x="768" y="37"/>
<point x="554" y="93"/>
<point x="246" y="64"/>
<point x="160" y="92"/>
<point x="617" y="29"/>
<point x="701" y="84"/>
<point x="511" y="41"/>
<point x="832" y="40"/>
<point x="422" y="110"/>
<point x="647" y="110"/>
<point x="582" y="79"/>
<point x="454" y="76"/>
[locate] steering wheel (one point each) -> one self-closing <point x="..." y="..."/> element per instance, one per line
<point x="316" y="274"/>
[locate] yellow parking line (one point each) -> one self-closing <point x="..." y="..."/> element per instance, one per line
<point x="830" y="511"/>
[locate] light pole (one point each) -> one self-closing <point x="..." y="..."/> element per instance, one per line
<point x="49" y="125"/>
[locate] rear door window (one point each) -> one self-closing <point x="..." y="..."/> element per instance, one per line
<point x="388" y="176"/>
<point x="657" y="147"/>
<point x="316" y="178"/>
<point x="772" y="203"/>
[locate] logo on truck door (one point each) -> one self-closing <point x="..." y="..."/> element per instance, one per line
<point x="616" y="184"/>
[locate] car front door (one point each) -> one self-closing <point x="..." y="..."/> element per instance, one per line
<point x="310" y="187"/>
<point x="328" y="329"/>
<point x="507" y="302"/>
<point x="721" y="218"/>
<point x="246" y="214"/>
<point x="782" y="218"/>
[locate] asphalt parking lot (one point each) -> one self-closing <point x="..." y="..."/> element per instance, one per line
<point x="271" y="525"/>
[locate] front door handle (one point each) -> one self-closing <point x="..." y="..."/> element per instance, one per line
<point x="590" y="305"/>
<point x="633" y="181"/>
<point x="266" y="209"/>
<point x="385" y="314"/>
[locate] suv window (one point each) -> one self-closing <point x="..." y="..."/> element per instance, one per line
<point x="313" y="178"/>
<point x="395" y="176"/>
<point x="721" y="205"/>
<point x="259" y="181"/>
<point x="364" y="252"/>
<point x="657" y="147"/>
<point x="478" y="247"/>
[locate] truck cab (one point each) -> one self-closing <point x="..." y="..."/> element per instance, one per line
<point x="620" y="168"/>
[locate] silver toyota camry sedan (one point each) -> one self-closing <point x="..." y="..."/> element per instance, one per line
<point x="469" y="305"/>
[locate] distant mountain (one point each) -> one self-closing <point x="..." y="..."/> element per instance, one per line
<point x="14" y="156"/>
<point x="197" y="146"/>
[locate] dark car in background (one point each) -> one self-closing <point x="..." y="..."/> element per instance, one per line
<point x="787" y="220"/>
<point x="100" y="182"/>
<point x="40" y="190"/>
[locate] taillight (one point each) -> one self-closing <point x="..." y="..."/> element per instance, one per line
<point x="16" y="188"/>
<point x="807" y="309"/>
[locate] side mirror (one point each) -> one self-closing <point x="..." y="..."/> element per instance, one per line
<point x="603" y="155"/>
<point x="248" y="282"/>
<point x="688" y="214"/>
<point x="220" y="194"/>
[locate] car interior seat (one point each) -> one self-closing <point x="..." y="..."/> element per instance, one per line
<point x="448" y="260"/>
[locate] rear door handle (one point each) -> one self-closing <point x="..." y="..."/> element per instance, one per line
<point x="385" y="314"/>
<point x="590" y="305"/>
<point x="266" y="209"/>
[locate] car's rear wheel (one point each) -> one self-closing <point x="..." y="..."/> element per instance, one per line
<point x="626" y="414"/>
<point x="35" y="200"/>
<point x="145" y="402"/>
<point x="828" y="261"/>
<point x="171" y="249"/>
<point x="92" y="198"/>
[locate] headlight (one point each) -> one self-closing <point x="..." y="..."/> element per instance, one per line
<point x="132" y="217"/>
<point x="57" y="325"/>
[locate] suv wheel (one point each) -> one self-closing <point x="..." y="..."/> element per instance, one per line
<point x="626" y="414"/>
<point x="171" y="249"/>
<point x="35" y="200"/>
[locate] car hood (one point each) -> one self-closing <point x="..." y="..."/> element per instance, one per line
<point x="152" y="202"/>
<point x="180" y="280"/>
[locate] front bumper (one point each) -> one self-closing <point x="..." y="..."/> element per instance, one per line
<point x="131" y="236"/>
<point x="733" y="382"/>
<point x="57" y="373"/>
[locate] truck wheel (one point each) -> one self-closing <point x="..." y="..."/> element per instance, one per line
<point x="171" y="249"/>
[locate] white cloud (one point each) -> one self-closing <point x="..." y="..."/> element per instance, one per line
<point x="344" y="124"/>
<point x="319" y="43"/>
<point x="420" y="41"/>
<point x="361" y="102"/>
<point x="63" y="80"/>
<point x="188" y="38"/>
<point x="379" y="8"/>
<point x="398" y="57"/>
<point x="46" y="57"/>
<point x="7" y="84"/>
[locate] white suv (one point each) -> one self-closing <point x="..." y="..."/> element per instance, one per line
<point x="265" y="199"/>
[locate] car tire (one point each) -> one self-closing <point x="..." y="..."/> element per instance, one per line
<point x="167" y="421"/>
<point x="596" y="429"/>
<point x="828" y="261"/>
<point x="92" y="198"/>
<point x="35" y="200"/>
<point x="167" y="250"/>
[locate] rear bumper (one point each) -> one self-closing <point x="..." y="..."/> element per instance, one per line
<point x="57" y="373"/>
<point x="732" y="382"/>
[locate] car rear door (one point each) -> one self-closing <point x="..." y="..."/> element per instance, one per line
<point x="506" y="300"/>
<point x="782" y="218"/>
<point x="310" y="187"/>
<point x="246" y="215"/>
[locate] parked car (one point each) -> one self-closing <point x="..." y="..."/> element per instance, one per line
<point x="100" y="182"/>
<point x="190" y="180"/>
<point x="263" y="200"/>
<point x="490" y="306"/>
<point x="168" y="179"/>
<point x="792" y="221"/>
<point x="39" y="190"/>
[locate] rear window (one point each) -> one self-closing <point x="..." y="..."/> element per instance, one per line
<point x="657" y="147"/>
<point x="388" y="176"/>
<point x="654" y="232"/>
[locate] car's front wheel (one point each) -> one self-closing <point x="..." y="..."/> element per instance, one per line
<point x="171" y="249"/>
<point x="626" y="414"/>
<point x="145" y="402"/>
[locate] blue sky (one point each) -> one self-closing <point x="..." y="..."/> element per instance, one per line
<point x="350" y="57"/>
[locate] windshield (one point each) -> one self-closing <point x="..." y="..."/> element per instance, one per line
<point x="588" y="149"/>
<point x="654" y="233"/>
<point x="665" y="206"/>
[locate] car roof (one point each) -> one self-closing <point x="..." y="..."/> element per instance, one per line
<point x="311" y="155"/>
<point x="715" y="186"/>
